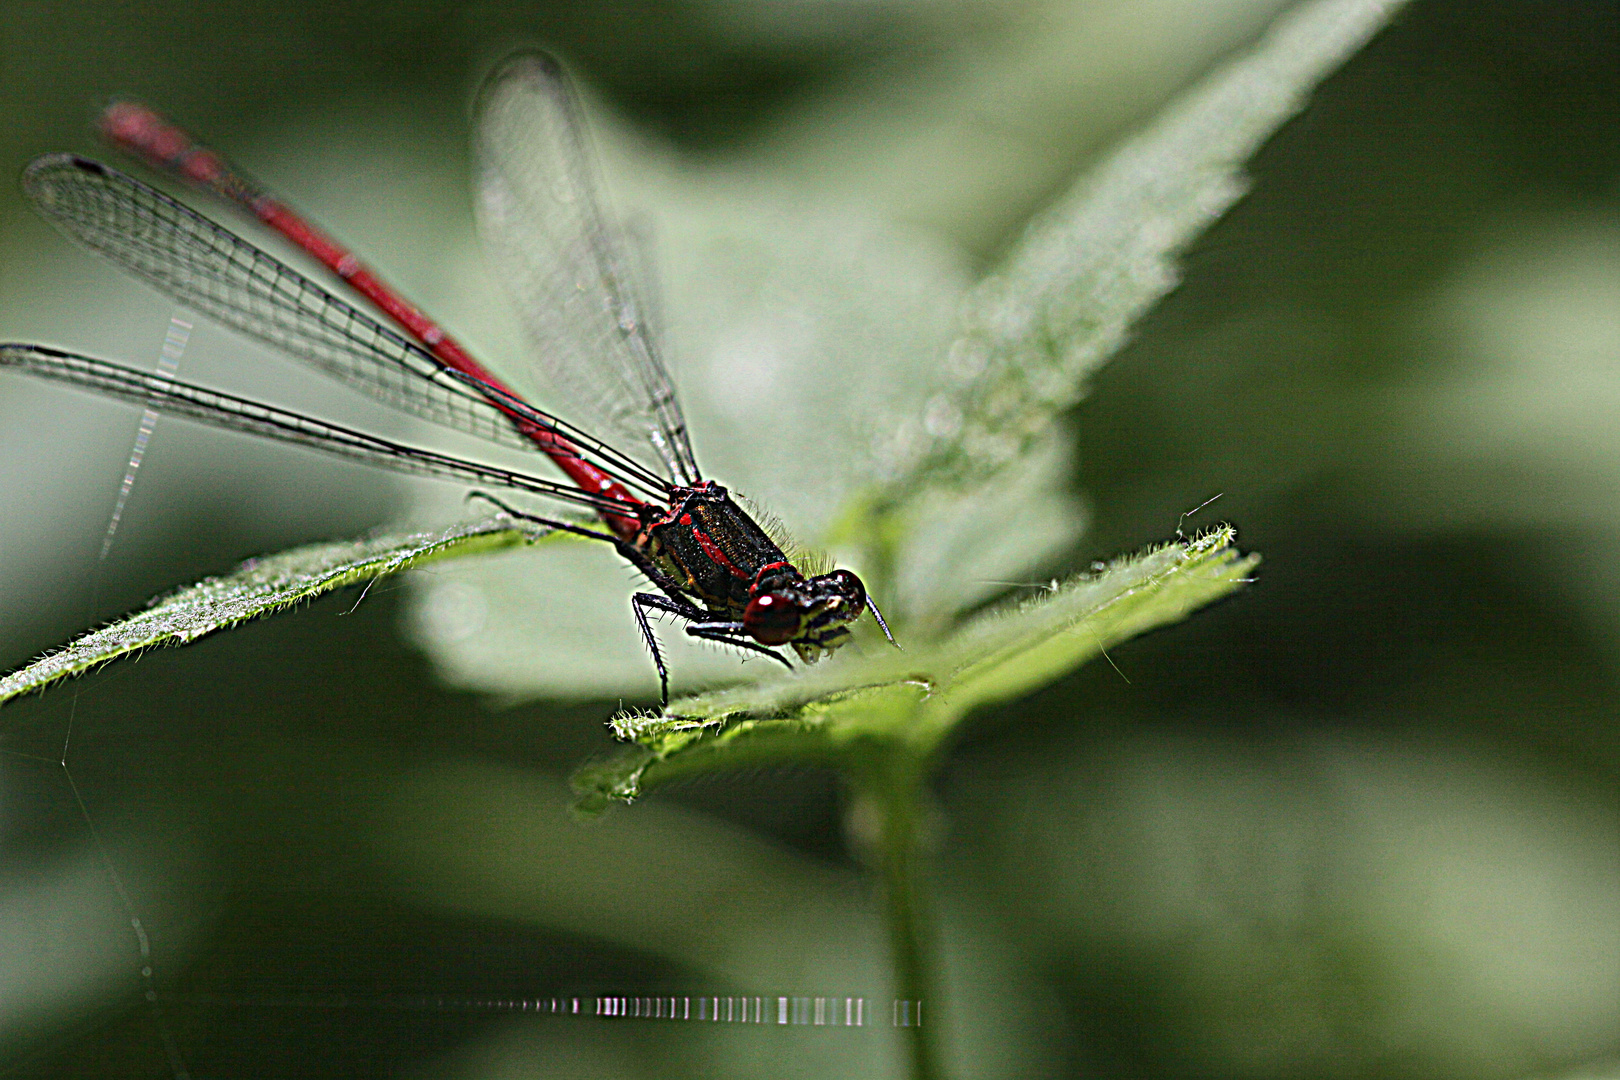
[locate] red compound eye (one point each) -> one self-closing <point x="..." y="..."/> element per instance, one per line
<point x="772" y="619"/>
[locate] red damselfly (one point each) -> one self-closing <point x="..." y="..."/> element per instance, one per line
<point x="714" y="567"/>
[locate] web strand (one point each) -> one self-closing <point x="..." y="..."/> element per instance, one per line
<point x="174" y="347"/>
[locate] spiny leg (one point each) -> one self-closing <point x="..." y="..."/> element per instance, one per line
<point x="730" y="633"/>
<point x="640" y="603"/>
<point x="550" y="523"/>
<point x="672" y="601"/>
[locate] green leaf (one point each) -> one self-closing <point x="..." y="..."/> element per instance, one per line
<point x="262" y="587"/>
<point x="917" y="699"/>
<point x="910" y="403"/>
<point x="1065" y="298"/>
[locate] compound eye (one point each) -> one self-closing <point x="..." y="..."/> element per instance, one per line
<point x="772" y="619"/>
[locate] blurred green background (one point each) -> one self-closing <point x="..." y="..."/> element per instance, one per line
<point x="1360" y="821"/>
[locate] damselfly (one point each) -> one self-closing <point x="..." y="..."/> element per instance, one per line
<point x="715" y="568"/>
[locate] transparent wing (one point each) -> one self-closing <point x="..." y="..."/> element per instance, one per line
<point x="566" y="266"/>
<point x="212" y="270"/>
<point x="218" y="409"/>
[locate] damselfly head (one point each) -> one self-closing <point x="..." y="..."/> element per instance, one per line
<point x="811" y="614"/>
<point x="840" y="590"/>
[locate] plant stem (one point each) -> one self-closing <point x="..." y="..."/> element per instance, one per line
<point x="896" y="783"/>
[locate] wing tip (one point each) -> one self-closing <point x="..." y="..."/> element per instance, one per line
<point x="63" y="159"/>
<point x="42" y="176"/>
<point x="529" y="63"/>
<point x="532" y="71"/>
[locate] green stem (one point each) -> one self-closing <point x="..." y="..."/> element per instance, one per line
<point x="895" y="782"/>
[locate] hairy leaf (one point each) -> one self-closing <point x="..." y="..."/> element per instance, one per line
<point x="261" y="587"/>
<point x="918" y="698"/>
<point x="1064" y="300"/>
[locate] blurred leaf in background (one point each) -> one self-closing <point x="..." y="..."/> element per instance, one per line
<point x="1360" y="823"/>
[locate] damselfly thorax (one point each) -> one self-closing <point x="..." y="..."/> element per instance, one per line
<point x="725" y="560"/>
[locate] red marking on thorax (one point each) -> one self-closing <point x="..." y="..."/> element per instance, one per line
<point x="712" y="550"/>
